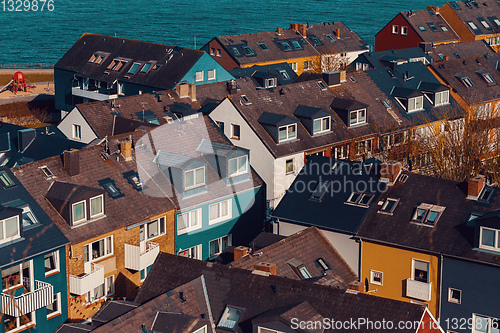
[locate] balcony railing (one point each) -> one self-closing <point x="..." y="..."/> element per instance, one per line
<point x="42" y="295"/>
<point x="94" y="95"/>
<point x="137" y="260"/>
<point x="418" y="290"/>
<point x="83" y="283"/>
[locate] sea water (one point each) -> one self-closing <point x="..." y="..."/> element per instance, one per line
<point x="43" y="36"/>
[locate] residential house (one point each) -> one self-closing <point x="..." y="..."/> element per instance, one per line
<point x="305" y="47"/>
<point x="473" y="20"/>
<point x="99" y="68"/>
<point x="267" y="76"/>
<point x="463" y="50"/>
<point x="184" y="295"/>
<point x="283" y="126"/>
<point x="220" y="198"/>
<point x="96" y="197"/>
<point x="408" y="29"/>
<point x="33" y="264"/>
<point x="20" y="145"/>
<point x="433" y="241"/>
<point x="392" y="57"/>
<point x="327" y="185"/>
<point x="306" y="255"/>
<point x="96" y="120"/>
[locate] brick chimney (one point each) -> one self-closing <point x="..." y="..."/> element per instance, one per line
<point x="71" y="161"/>
<point x="126" y="149"/>
<point x="185" y="89"/>
<point x="446" y="58"/>
<point x="278" y="30"/>
<point x="302" y="29"/>
<point x="475" y="186"/>
<point x="356" y="286"/>
<point x="265" y="267"/>
<point x="433" y="8"/>
<point x="337" y="32"/>
<point x="389" y="172"/>
<point x="240" y="252"/>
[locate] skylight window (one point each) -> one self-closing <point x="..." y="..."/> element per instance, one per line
<point x="236" y="51"/>
<point x="486" y="194"/>
<point x="433" y="27"/>
<point x="315" y="40"/>
<point x="248" y="50"/>
<point x="497" y="22"/>
<point x="296" y="44"/>
<point x="117" y="65"/>
<point x="134" y="68"/>
<point x="322" y="263"/>
<point x="97" y="58"/>
<point x="263" y="46"/>
<point x="466" y="81"/>
<point x="386" y="104"/>
<point x="145" y="68"/>
<point x="458" y="55"/>
<point x="245" y="99"/>
<point x="455" y="5"/>
<point x="134" y="180"/>
<point x="330" y="37"/>
<point x="230" y="317"/>
<point x="389" y="206"/>
<point x="485" y="24"/>
<point x="28" y="216"/>
<point x="427" y="214"/>
<point x="472" y="25"/>
<point x="283" y="74"/>
<point x="443" y="27"/>
<point x="487" y="77"/>
<point x="286" y="46"/>
<point x="360" y="199"/>
<point x="46" y="172"/>
<point x="304" y="272"/>
<point x="6" y="180"/>
<point x="322" y="85"/>
<point x="319" y="191"/>
<point x="422" y="28"/>
<point x="391" y="73"/>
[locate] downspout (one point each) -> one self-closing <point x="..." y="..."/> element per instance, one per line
<point x="360" y="269"/>
<point x="440" y="288"/>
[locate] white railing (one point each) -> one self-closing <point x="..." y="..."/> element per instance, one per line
<point x="82" y="284"/>
<point x="137" y="260"/>
<point x="77" y="91"/>
<point x="41" y="296"/>
<point x="418" y="290"/>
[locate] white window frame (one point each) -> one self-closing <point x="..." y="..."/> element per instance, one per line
<point x="358" y="117"/>
<point x="238" y="159"/>
<point x="77" y="131"/>
<point x="360" y="198"/>
<point x="395" y="29"/>
<point x="192" y="226"/>
<point x="220" y="218"/>
<point x="287" y="162"/>
<point x="11" y="238"/>
<point x="90" y="294"/>
<point x="108" y="252"/>
<point x="288" y="138"/>
<point x="20" y="328"/>
<point x="490" y="320"/>
<point x="270" y="82"/>
<point x="14" y="286"/>
<point x="428" y="208"/>
<point x="295" y="66"/>
<point x="145" y="228"/>
<point x="198" y="76"/>
<point x="57" y="300"/>
<point x="219" y="240"/>
<point x="372" y="277"/>
<point x="443" y="101"/>
<point x="404" y="30"/>
<point x="195" y="183"/>
<point x="413" y="269"/>
<point x="211" y="75"/>
<point x="384" y="210"/>
<point x="233" y="136"/>
<point x="323" y="130"/>
<point x="267" y="330"/>
<point x="495" y="240"/>
<point x="84" y="210"/>
<point x="416" y="106"/>
<point x="57" y="268"/>
<point x="454" y="300"/>
<point x="194" y="252"/>
<point x="361" y="146"/>
<point x="341" y="152"/>
<point x="201" y="330"/>
<point x="102" y="206"/>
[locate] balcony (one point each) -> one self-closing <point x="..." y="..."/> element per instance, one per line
<point x="42" y="295"/>
<point x="94" y="95"/>
<point x="83" y="283"/>
<point x="138" y="260"/>
<point x="418" y="290"/>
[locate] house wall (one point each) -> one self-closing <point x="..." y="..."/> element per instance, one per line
<point x="282" y="180"/>
<point x="396" y="266"/>
<point x="456" y="23"/>
<point x="260" y="158"/>
<point x="75" y="117"/>
<point x="225" y="60"/>
<point x="127" y="281"/>
<point x="385" y="39"/>
<point x="299" y="61"/>
<point x="206" y="63"/>
<point x="62" y="84"/>
<point x="348" y="247"/>
<point x="478" y="285"/>
<point x="246" y="222"/>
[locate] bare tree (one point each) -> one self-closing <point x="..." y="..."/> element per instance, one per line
<point x="331" y="61"/>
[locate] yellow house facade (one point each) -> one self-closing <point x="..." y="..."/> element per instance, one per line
<point x="400" y="274"/>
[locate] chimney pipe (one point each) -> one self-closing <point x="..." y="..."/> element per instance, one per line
<point x="475" y="186"/>
<point x="278" y="31"/>
<point x="71" y="161"/>
<point x="337" y="32"/>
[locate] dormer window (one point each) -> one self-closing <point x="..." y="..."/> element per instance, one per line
<point x="79" y="210"/>
<point x="194" y="178"/>
<point x="117" y="64"/>
<point x="9" y="229"/>
<point x="271" y="82"/>
<point x="321" y="125"/>
<point x="489" y="239"/>
<point x="442" y="98"/>
<point x="238" y="166"/>
<point x="230" y="317"/>
<point x="96" y="206"/>
<point x="283" y="74"/>
<point x="6" y="180"/>
<point x="486" y="194"/>
<point x="427" y="214"/>
<point x="288" y="132"/>
<point x="416" y="104"/>
<point x="357" y="117"/>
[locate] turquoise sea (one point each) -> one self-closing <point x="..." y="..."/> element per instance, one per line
<point x="44" y="36"/>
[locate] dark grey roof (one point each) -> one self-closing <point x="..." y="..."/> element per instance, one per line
<point x="298" y="207"/>
<point x="404" y="92"/>
<point x="383" y="58"/>
<point x="307" y="111"/>
<point x="431" y="86"/>
<point x="265" y="239"/>
<point x="74" y="328"/>
<point x="264" y="71"/>
<point x="171" y="160"/>
<point x="463" y="49"/>
<point x="214" y="148"/>
<point x="437" y="29"/>
<point x="112" y="310"/>
<point x="167" y="322"/>
<point x="69" y="192"/>
<point x="174" y="62"/>
<point x="269" y="118"/>
<point x="347" y="104"/>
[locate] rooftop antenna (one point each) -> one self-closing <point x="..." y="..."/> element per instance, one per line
<point x="195" y="42"/>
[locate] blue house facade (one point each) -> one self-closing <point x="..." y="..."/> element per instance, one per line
<point x="34" y="287"/>
<point x="99" y="68"/>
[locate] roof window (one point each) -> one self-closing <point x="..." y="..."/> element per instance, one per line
<point x="97" y="58"/>
<point x="134" y="68"/>
<point x="330" y="37"/>
<point x="117" y="64"/>
<point x="263" y="46"/>
<point x="466" y="81"/>
<point x="110" y="187"/>
<point x="427" y="214"/>
<point x="284" y="74"/>
<point x="472" y="25"/>
<point x="248" y="50"/>
<point x="319" y="191"/>
<point x="286" y="46"/>
<point x="443" y="27"/>
<point x="422" y="28"/>
<point x="389" y="206"/>
<point x="230" y="317"/>
<point x="360" y="199"/>
<point x="245" y="99"/>
<point x="236" y="51"/>
<point x="315" y="40"/>
<point x="487" y="77"/>
<point x="485" y="24"/>
<point x="433" y="27"/>
<point x="145" y="68"/>
<point x="322" y="85"/>
<point x="6" y="179"/>
<point x="46" y="172"/>
<point x="296" y="45"/>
